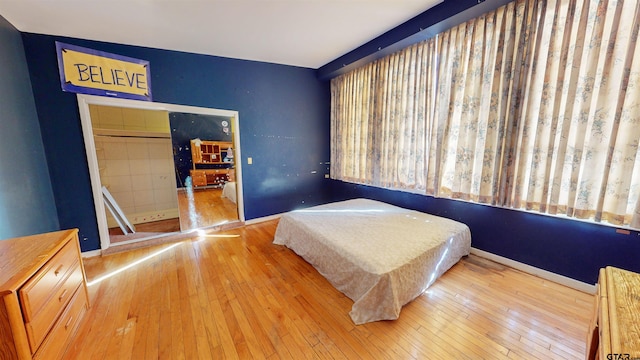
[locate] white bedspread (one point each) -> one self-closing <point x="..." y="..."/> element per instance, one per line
<point x="379" y="255"/>
<point x="229" y="191"/>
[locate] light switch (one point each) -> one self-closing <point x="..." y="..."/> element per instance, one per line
<point x="249" y="160"/>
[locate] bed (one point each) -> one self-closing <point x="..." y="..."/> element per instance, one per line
<point x="229" y="191"/>
<point x="379" y="255"/>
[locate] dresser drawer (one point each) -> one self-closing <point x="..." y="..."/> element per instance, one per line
<point x="198" y="177"/>
<point x="42" y="320"/>
<point x="37" y="291"/>
<point x="59" y="337"/>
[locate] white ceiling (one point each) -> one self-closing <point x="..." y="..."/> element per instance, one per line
<point x="307" y="33"/>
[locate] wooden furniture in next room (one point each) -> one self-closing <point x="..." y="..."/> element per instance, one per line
<point x="210" y="152"/>
<point x="204" y="153"/>
<point x="615" y="325"/>
<point x="43" y="294"/>
<point x="209" y="177"/>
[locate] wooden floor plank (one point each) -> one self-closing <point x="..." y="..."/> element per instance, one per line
<point x="243" y="297"/>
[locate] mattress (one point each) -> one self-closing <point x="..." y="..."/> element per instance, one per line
<point x="379" y="255"/>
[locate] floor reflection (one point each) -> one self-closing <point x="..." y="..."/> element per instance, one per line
<point x="202" y="208"/>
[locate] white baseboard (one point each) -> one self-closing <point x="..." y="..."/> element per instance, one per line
<point x="92" y="253"/>
<point x="547" y="275"/>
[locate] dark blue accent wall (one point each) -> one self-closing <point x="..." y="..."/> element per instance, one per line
<point x="570" y="248"/>
<point x="283" y="116"/>
<point x="439" y="18"/>
<point x="27" y="204"/>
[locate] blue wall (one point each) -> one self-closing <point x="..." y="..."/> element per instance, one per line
<point x="439" y="18"/>
<point x="26" y="199"/>
<point x="283" y="115"/>
<point x="570" y="248"/>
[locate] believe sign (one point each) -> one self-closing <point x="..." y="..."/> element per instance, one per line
<point x="94" y="72"/>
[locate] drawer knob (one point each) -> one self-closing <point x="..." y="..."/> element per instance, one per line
<point x="59" y="269"/>
<point x="69" y="322"/>
<point x="62" y="296"/>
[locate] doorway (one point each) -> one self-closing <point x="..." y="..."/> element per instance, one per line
<point x="139" y="137"/>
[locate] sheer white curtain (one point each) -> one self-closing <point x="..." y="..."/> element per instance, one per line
<point x="380" y="118"/>
<point x="480" y="86"/>
<point x="535" y="106"/>
<point x="577" y="149"/>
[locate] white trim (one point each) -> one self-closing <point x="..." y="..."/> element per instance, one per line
<point x="547" y="275"/>
<point x="87" y="131"/>
<point x="92" y="253"/>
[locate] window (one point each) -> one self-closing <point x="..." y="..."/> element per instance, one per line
<point x="534" y="106"/>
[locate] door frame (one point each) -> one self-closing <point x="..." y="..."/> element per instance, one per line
<point x="92" y="160"/>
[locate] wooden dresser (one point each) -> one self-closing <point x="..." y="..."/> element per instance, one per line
<point x="206" y="153"/>
<point x="207" y="177"/>
<point x="43" y="294"/>
<point x="615" y="325"/>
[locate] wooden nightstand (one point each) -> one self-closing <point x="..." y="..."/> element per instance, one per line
<point x="615" y="324"/>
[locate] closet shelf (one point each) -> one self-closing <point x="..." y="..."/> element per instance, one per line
<point x="130" y="133"/>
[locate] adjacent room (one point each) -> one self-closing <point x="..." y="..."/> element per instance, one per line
<point x="344" y="180"/>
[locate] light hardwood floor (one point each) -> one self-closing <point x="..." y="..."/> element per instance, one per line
<point x="198" y="208"/>
<point x="204" y="207"/>
<point x="240" y="296"/>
